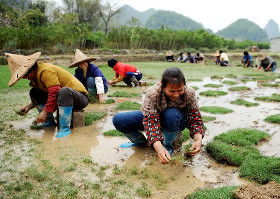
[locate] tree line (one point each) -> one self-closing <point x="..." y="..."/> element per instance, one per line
<point x="93" y="24"/>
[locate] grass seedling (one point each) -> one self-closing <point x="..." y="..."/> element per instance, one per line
<point x="239" y="88"/>
<point x="208" y="118"/>
<point x="185" y="135"/>
<point x="213" y="85"/>
<point x="273" y="119"/>
<point x="110" y="101"/>
<point x="195" y="87"/>
<point x="129" y="106"/>
<point x="261" y="169"/>
<point x="216" y="77"/>
<point x="212" y="93"/>
<point x="93" y="116"/>
<point x="231" y="76"/>
<point x="194" y="80"/>
<point x="244" y="103"/>
<point x="144" y="191"/>
<point x="270" y="85"/>
<point x="215" y="109"/>
<point x="273" y="98"/>
<point x="113" y="132"/>
<point x="223" y="192"/>
<point x="123" y="94"/>
<point x="228" y="82"/>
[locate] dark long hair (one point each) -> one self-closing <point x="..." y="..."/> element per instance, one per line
<point x="172" y="76"/>
<point x="112" y="62"/>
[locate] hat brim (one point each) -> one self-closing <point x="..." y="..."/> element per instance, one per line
<point x="19" y="73"/>
<point x="74" y="64"/>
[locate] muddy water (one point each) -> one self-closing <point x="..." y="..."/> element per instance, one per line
<point x="201" y="171"/>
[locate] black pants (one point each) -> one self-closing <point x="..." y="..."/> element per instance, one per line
<point x="65" y="97"/>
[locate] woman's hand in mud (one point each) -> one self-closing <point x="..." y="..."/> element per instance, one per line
<point x="164" y="156"/>
<point x="101" y="98"/>
<point x="42" y="117"/>
<point x="24" y="110"/>
<point x="196" y="146"/>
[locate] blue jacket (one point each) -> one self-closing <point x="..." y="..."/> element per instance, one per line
<point x="92" y="71"/>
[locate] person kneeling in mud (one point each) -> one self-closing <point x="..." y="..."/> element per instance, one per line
<point x="125" y="72"/>
<point x="90" y="76"/>
<point x="168" y="108"/>
<point x="52" y="88"/>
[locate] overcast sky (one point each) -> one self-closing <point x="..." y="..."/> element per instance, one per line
<point x="215" y="14"/>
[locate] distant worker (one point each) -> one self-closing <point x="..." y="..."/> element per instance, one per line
<point x="125" y="72"/>
<point x="217" y="57"/>
<point x="247" y="60"/>
<point x="267" y="63"/>
<point x="191" y="58"/>
<point x="224" y="61"/>
<point x="200" y="58"/>
<point x="169" y="56"/>
<point x="90" y="76"/>
<point x="182" y="57"/>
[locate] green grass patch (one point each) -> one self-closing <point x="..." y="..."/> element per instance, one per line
<point x="227" y="153"/>
<point x="228" y="82"/>
<point x="244" y="103"/>
<point x="270" y="85"/>
<point x="273" y="119"/>
<point x="242" y="137"/>
<point x="123" y="94"/>
<point x="261" y="169"/>
<point x="195" y="87"/>
<point x="213" y="85"/>
<point x="231" y="76"/>
<point x="217" y="77"/>
<point x="113" y="133"/>
<point x="254" y="74"/>
<point x="185" y="135"/>
<point x="208" y="118"/>
<point x="128" y="106"/>
<point x="272" y="98"/>
<point x="144" y="191"/>
<point x="215" y="109"/>
<point x="194" y="80"/>
<point x="217" y="193"/>
<point x="93" y="116"/>
<point x="110" y="101"/>
<point x="239" y="88"/>
<point x="211" y="93"/>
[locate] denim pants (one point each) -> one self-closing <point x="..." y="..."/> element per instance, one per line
<point x="172" y="121"/>
<point x="92" y="86"/>
<point x="127" y="80"/>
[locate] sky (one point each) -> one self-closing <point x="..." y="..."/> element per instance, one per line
<point x="215" y="14"/>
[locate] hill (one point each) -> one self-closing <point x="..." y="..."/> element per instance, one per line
<point x="243" y="29"/>
<point x="272" y="29"/>
<point x="172" y="20"/>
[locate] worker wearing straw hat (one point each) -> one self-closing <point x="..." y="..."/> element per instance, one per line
<point x="90" y="76"/>
<point x="52" y="88"/>
<point x="267" y="63"/>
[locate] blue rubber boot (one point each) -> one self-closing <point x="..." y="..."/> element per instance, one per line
<point x="65" y="116"/>
<point x="49" y="120"/>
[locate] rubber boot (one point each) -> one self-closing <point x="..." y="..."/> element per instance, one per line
<point x="134" y="80"/>
<point x="65" y="116"/>
<point x="49" y="120"/>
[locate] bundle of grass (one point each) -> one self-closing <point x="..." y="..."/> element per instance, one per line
<point x="129" y="106"/>
<point x="215" y="109"/>
<point x="244" y="103"/>
<point x="123" y="94"/>
<point x="254" y="74"/>
<point x="264" y="78"/>
<point x="242" y="137"/>
<point x="208" y="118"/>
<point x="270" y="85"/>
<point x="223" y="192"/>
<point x="113" y="133"/>
<point x="239" y="88"/>
<point x="110" y="101"/>
<point x="274" y="98"/>
<point x="231" y="76"/>
<point x="211" y="93"/>
<point x="93" y="116"/>
<point x="228" y="82"/>
<point x="261" y="169"/>
<point x="213" y="85"/>
<point x="185" y="135"/>
<point x="227" y="153"/>
<point x="195" y="87"/>
<point x="194" y="80"/>
<point x="216" y="77"/>
<point x="273" y="119"/>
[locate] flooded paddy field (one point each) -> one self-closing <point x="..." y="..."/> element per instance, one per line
<point x="90" y="165"/>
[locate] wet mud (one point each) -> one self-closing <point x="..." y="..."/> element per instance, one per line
<point x="182" y="178"/>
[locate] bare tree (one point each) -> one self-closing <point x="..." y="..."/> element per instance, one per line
<point x="107" y="10"/>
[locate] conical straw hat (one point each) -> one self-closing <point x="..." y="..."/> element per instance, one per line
<point x="79" y="58"/>
<point x="19" y="65"/>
